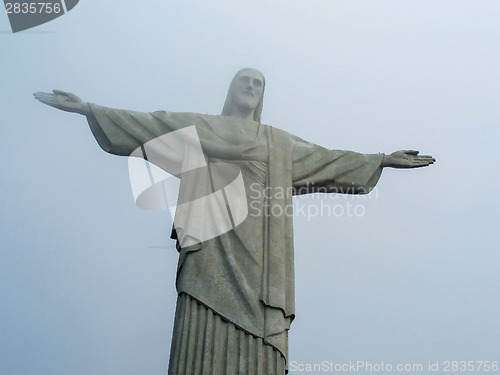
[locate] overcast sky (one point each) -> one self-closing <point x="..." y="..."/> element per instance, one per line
<point x="87" y="278"/>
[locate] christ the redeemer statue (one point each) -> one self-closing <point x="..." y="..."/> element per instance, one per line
<point x="235" y="278"/>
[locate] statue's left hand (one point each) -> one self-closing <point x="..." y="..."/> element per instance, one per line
<point x="64" y="101"/>
<point x="407" y="159"/>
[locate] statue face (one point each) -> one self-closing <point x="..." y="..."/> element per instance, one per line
<point x="247" y="89"/>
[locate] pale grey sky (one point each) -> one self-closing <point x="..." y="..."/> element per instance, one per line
<point x="87" y="278"/>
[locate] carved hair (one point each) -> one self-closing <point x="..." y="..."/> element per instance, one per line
<point x="226" y="110"/>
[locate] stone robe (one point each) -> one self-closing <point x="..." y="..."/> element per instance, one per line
<point x="245" y="275"/>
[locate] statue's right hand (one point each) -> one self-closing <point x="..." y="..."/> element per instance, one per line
<point x="64" y="101"/>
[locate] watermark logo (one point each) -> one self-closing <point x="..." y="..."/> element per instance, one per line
<point x="208" y="197"/>
<point x="314" y="201"/>
<point x="205" y="199"/>
<point x="26" y="14"/>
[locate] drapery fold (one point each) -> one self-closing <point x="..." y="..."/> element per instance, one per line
<point x="205" y="344"/>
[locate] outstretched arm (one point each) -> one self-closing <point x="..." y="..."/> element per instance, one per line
<point x="317" y="169"/>
<point x="123" y="132"/>
<point x="64" y="101"/>
<point x="407" y="159"/>
<point x="118" y="132"/>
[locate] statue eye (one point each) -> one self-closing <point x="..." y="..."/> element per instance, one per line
<point x="245" y="79"/>
<point x="257" y="82"/>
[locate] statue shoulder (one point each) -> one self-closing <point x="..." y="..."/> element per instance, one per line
<point x="203" y="122"/>
<point x="185" y="116"/>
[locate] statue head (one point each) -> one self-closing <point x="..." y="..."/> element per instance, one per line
<point x="246" y="93"/>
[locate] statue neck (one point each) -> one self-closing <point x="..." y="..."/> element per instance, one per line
<point x="243" y="113"/>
